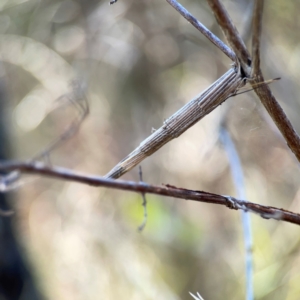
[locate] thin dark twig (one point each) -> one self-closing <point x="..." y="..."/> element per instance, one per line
<point x="256" y="27"/>
<point x="39" y="168"/>
<point x="254" y="86"/>
<point x="234" y="39"/>
<point x="199" y="26"/>
<point x="144" y="203"/>
<point x="278" y="115"/>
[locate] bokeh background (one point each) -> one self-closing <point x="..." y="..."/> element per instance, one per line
<point x="136" y="62"/>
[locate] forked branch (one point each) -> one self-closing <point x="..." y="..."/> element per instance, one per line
<point x="264" y="93"/>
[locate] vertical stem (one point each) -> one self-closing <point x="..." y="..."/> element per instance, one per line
<point x="238" y="179"/>
<point x="256" y="27"/>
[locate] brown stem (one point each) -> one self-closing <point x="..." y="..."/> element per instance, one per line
<point x="233" y="37"/>
<point x="256" y="26"/>
<point x="279" y="117"/>
<point x="38" y="168"/>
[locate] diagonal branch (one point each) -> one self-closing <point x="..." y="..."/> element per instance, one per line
<point x="196" y="109"/>
<point x="182" y="120"/>
<point x="278" y="115"/>
<point x="199" y="26"/>
<point x="233" y="37"/>
<point x="256" y="26"/>
<point x="41" y="169"/>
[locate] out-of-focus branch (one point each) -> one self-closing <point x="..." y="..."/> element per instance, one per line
<point x="199" y="26"/>
<point x="78" y="100"/>
<point x="41" y="169"/>
<point x="234" y="39"/>
<point x="238" y="179"/>
<point x="264" y="93"/>
<point x="144" y="203"/>
<point x="256" y="27"/>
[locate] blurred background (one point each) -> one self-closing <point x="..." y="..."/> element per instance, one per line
<point x="137" y="62"/>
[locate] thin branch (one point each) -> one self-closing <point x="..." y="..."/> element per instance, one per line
<point x="144" y="203"/>
<point x="278" y="115"/>
<point x="79" y="101"/>
<point x="182" y="120"/>
<point x="234" y="39"/>
<point x="256" y="27"/>
<point x="199" y="26"/>
<point x="238" y="179"/>
<point x="41" y="169"/>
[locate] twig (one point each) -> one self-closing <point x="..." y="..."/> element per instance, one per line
<point x="279" y="117"/>
<point x="231" y="34"/>
<point x="144" y="203"/>
<point x="199" y="26"/>
<point x="182" y="120"/>
<point x="264" y="93"/>
<point x="256" y="27"/>
<point x="39" y="168"/>
<point x="238" y="179"/>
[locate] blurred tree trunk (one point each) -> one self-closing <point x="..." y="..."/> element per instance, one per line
<point x="16" y="281"/>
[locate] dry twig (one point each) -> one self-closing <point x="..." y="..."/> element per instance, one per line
<point x="182" y="120"/>
<point x="41" y="169"/>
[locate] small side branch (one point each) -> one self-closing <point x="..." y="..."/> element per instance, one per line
<point x="41" y="169"/>
<point x="144" y="203"/>
<point x="277" y="114"/>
